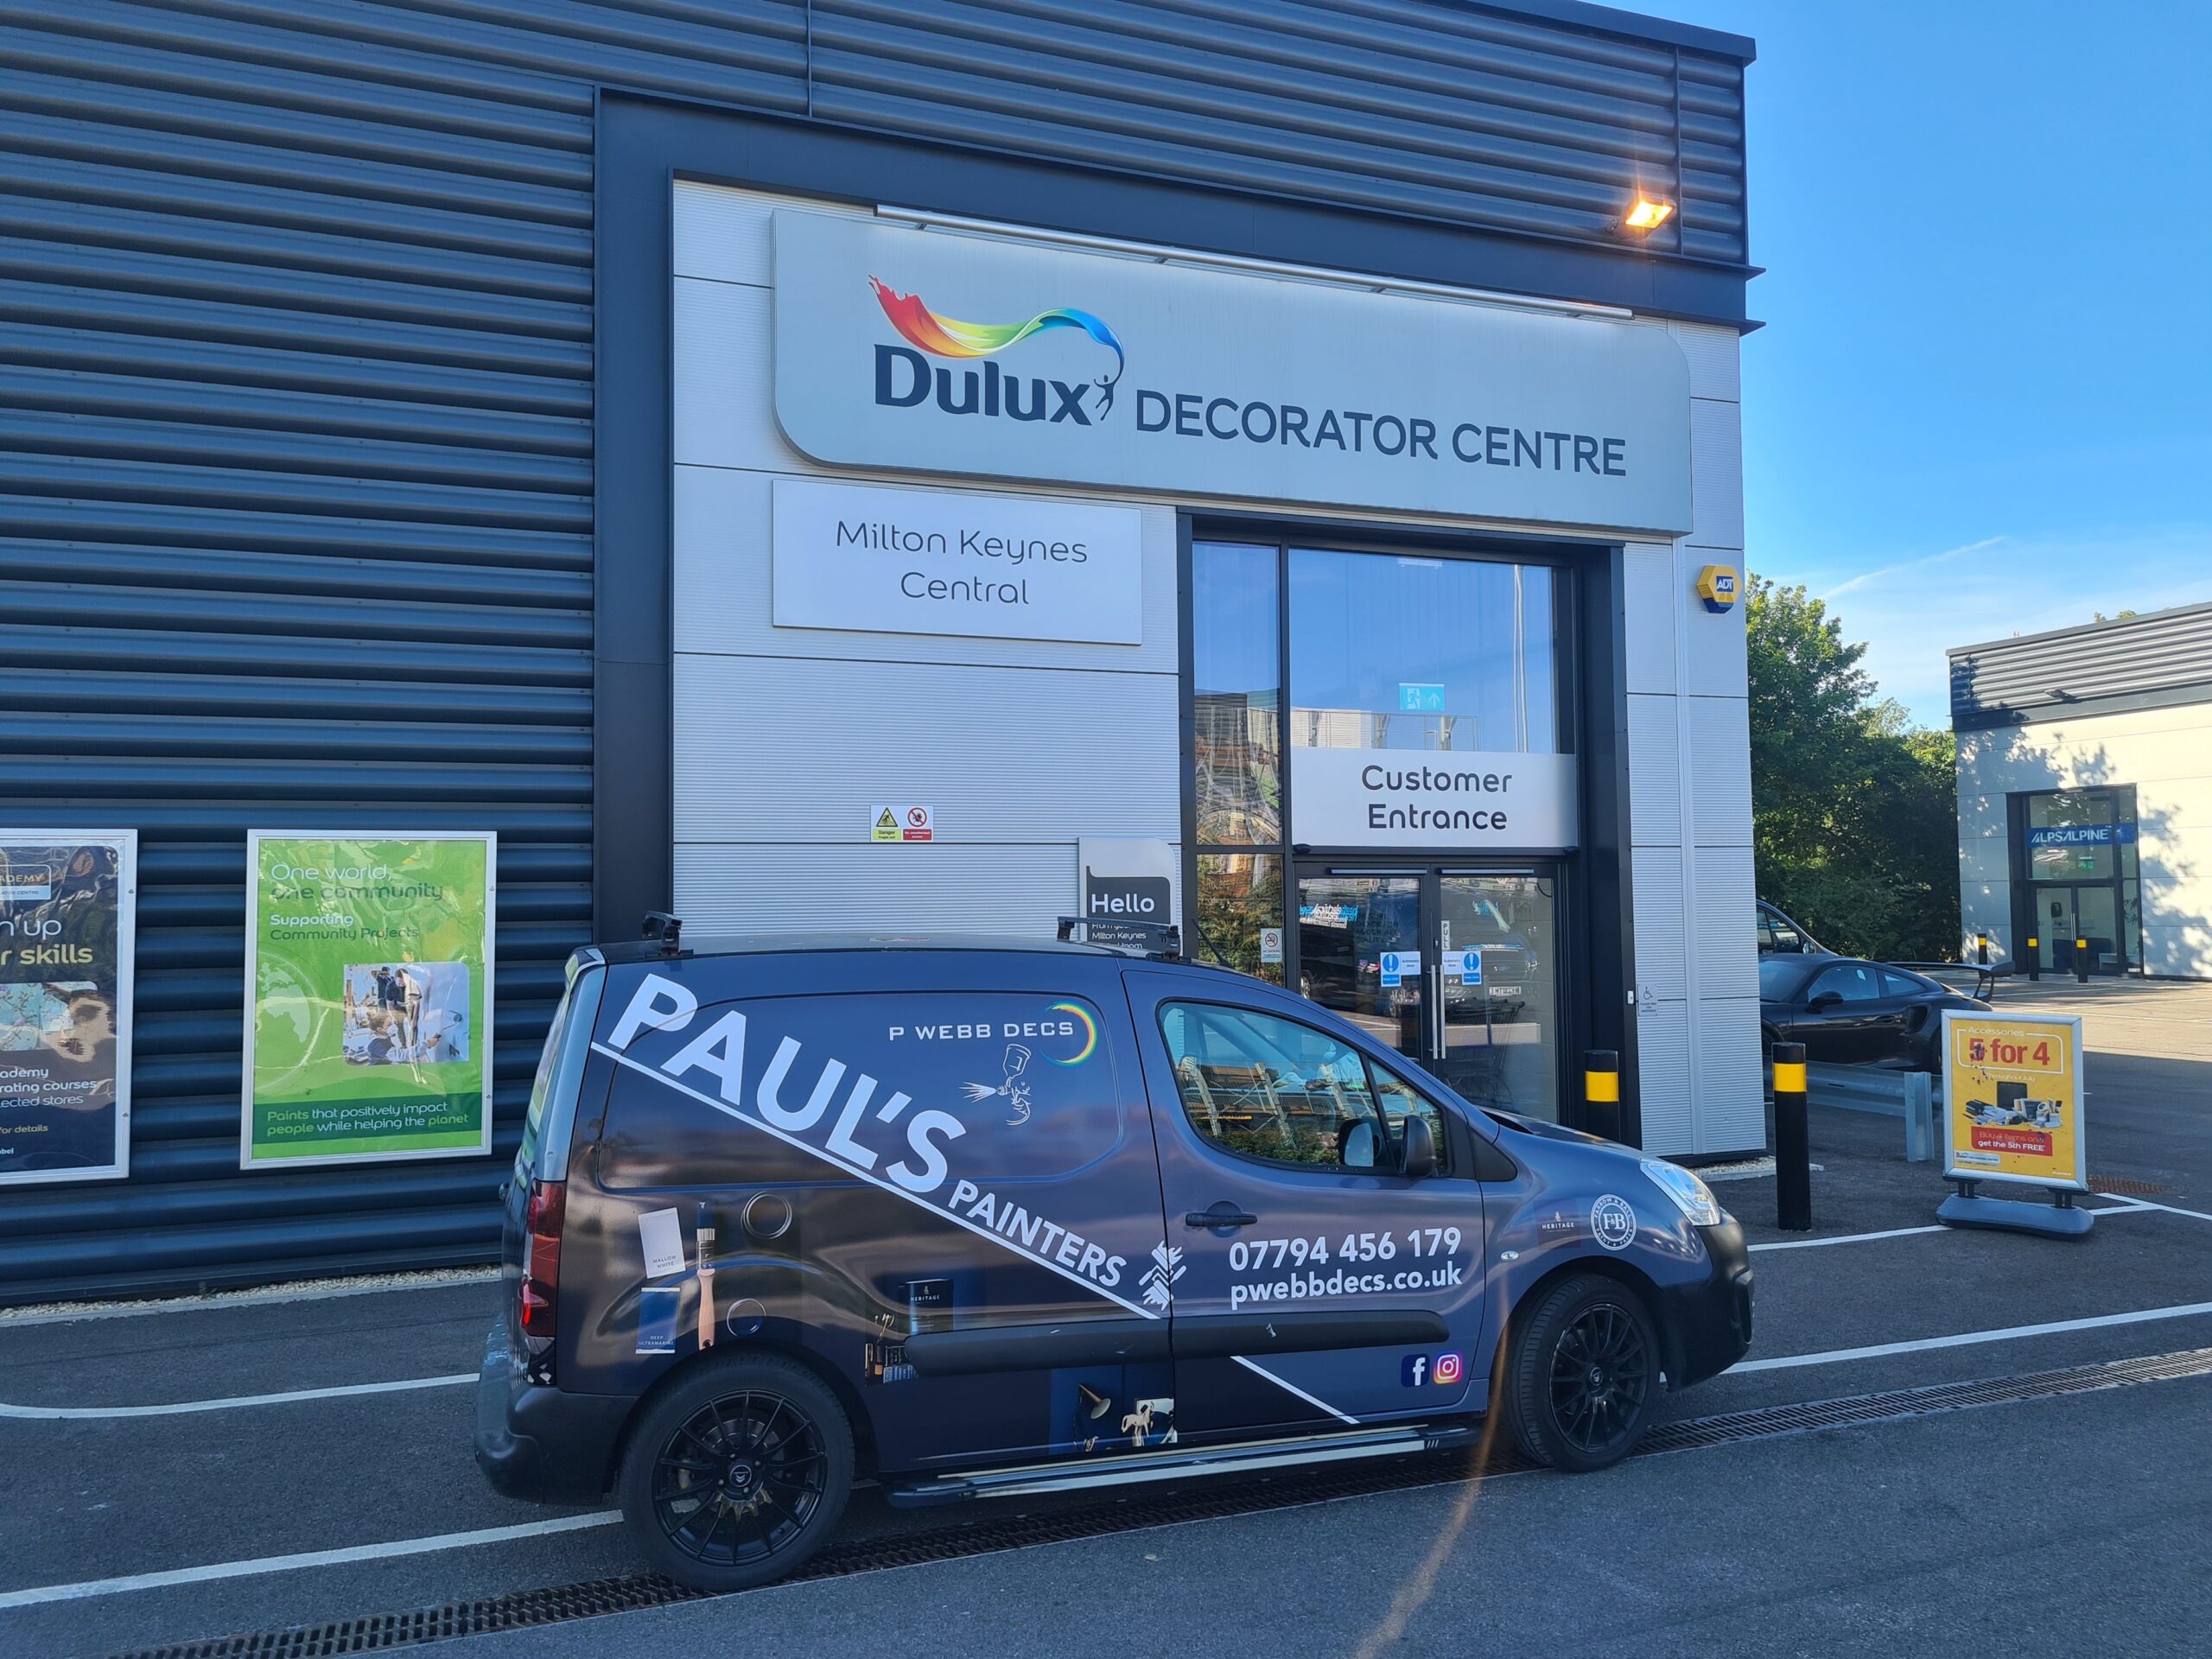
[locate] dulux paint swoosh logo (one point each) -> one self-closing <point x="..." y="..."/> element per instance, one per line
<point x="943" y="336"/>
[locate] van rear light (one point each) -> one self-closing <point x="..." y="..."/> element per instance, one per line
<point x="541" y="1262"/>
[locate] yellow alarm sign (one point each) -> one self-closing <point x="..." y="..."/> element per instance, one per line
<point x="1716" y="586"/>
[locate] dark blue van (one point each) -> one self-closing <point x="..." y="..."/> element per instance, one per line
<point x="1006" y="1217"/>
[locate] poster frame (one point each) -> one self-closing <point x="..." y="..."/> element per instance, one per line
<point x="2053" y="1182"/>
<point x="125" y="842"/>
<point x="490" y="838"/>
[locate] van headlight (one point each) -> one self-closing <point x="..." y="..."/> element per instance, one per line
<point x="1691" y="1196"/>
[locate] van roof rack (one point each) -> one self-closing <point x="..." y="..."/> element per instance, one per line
<point x="665" y="931"/>
<point x="1160" y="940"/>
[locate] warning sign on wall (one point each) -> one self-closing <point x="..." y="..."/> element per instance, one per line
<point x="899" y="824"/>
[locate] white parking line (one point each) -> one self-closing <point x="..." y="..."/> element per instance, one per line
<point x="2133" y="1203"/>
<point x="1968" y="1338"/>
<point x="232" y="1403"/>
<point x="310" y="1290"/>
<point x="1843" y="1238"/>
<point x="2118" y="1209"/>
<point x="91" y="1587"/>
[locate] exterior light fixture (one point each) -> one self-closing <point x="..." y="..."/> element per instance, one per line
<point x="1648" y="215"/>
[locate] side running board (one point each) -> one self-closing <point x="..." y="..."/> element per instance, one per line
<point x="1173" y="1463"/>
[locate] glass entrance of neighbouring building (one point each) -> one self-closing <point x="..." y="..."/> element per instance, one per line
<point x="1457" y="968"/>
<point x="2077" y="879"/>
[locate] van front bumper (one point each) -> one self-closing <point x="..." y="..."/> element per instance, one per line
<point x="1707" y="1323"/>
<point x="538" y="1443"/>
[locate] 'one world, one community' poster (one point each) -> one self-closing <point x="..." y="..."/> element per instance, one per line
<point x="368" y="981"/>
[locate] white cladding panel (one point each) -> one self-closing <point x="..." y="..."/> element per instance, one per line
<point x="1649" y="583"/>
<point x="1731" y="1086"/>
<point x="1727" y="940"/>
<point x="940" y="887"/>
<point x="1720" y="773"/>
<point x="1671" y="1119"/>
<point x="1714" y="354"/>
<point x="790" y="748"/>
<point x="1662" y="925"/>
<point x="1655" y="766"/>
<point x="1716" y="475"/>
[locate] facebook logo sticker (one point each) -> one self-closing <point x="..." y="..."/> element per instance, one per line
<point x="1414" y="1372"/>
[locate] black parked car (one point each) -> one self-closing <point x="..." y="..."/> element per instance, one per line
<point x="1779" y="935"/>
<point x="1849" y="1012"/>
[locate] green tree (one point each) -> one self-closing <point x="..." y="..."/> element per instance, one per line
<point x="1854" y="809"/>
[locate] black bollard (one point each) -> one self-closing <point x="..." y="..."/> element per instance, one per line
<point x="2081" y="961"/>
<point x="2035" y="957"/>
<point x="1793" y="1165"/>
<point x="1601" y="1092"/>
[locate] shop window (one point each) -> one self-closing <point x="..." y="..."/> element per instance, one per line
<point x="1400" y="652"/>
<point x="1235" y="694"/>
<point x="1240" y="894"/>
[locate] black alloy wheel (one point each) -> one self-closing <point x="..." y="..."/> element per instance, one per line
<point x="1580" y="1379"/>
<point x="1601" y="1377"/>
<point x="738" y="1473"/>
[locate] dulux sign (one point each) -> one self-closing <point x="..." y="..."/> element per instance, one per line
<point x="914" y="351"/>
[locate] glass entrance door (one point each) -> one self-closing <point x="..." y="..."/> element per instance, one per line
<point x="2090" y="914"/>
<point x="1498" y="966"/>
<point x="1457" y="968"/>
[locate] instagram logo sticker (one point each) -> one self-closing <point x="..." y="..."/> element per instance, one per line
<point x="1448" y="1371"/>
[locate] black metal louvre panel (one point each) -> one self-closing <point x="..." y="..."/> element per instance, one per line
<point x="295" y="440"/>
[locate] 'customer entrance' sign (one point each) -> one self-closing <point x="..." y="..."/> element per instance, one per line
<point x="1431" y="798"/>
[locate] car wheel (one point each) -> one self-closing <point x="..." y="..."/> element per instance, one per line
<point x="738" y="1474"/>
<point x="1583" y="1378"/>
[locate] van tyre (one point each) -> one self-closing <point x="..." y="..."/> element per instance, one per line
<point x="1581" y="1378"/>
<point x="737" y="1474"/>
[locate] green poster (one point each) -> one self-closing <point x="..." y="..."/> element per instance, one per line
<point x="368" y="980"/>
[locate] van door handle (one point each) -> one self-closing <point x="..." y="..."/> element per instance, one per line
<point x="1210" y="1219"/>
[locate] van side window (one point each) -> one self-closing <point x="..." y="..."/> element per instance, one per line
<point x="1275" y="1089"/>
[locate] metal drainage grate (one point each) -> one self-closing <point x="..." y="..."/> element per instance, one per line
<point x="2119" y="1186"/>
<point x="525" y="1609"/>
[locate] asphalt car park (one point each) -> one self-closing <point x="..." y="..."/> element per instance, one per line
<point x="353" y="1493"/>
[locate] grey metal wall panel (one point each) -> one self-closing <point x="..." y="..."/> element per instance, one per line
<point x="2044" y="675"/>
<point x="295" y="453"/>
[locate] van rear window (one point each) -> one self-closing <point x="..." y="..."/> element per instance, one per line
<point x="1029" y="1079"/>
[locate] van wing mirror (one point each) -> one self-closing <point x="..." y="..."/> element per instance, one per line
<point x="1416" y="1150"/>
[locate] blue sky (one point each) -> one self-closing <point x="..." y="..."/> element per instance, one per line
<point x="1982" y="404"/>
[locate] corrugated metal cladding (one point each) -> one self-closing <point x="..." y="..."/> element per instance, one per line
<point x="295" y="404"/>
<point x="2045" y="675"/>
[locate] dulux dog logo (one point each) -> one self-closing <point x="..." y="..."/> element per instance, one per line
<point x="905" y="377"/>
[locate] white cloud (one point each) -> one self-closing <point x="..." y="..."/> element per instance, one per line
<point x="1910" y="610"/>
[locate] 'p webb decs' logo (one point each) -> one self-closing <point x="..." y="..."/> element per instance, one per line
<point x="905" y="376"/>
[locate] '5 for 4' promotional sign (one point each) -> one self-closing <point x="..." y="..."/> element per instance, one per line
<point x="2012" y="1099"/>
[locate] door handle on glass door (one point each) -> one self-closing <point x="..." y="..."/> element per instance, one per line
<point x="1210" y="1218"/>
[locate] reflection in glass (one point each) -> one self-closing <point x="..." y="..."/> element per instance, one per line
<point x="1396" y="652"/>
<point x="1350" y="930"/>
<point x="1501" y="992"/>
<point x="1236" y="697"/>
<point x="1239" y="893"/>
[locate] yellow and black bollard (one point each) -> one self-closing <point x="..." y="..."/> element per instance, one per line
<point x="2035" y="957"/>
<point x="1793" y="1157"/>
<point x="1601" y="1092"/>
<point x="2081" y="961"/>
